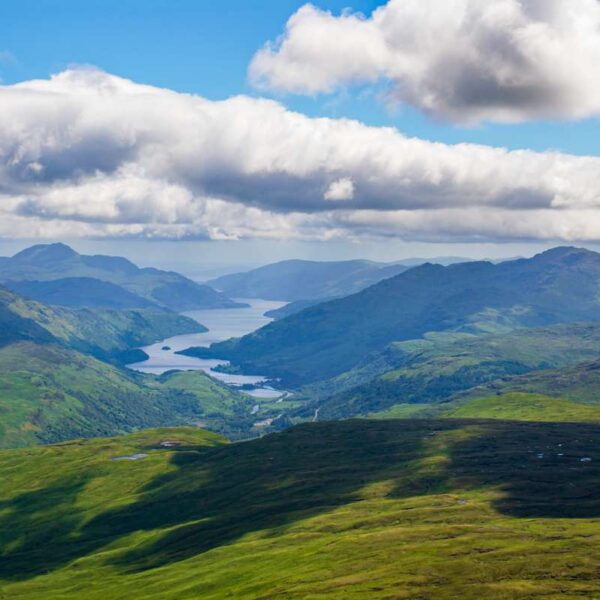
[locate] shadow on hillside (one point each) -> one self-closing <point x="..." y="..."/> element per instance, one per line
<point x="216" y="496"/>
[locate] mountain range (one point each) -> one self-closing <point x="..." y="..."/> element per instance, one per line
<point x="56" y="274"/>
<point x="320" y="342"/>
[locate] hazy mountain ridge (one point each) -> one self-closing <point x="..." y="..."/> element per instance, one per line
<point x="293" y="280"/>
<point x="43" y="263"/>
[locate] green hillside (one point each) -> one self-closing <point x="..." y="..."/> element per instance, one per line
<point x="358" y="509"/>
<point x="49" y="393"/>
<point x="442" y="366"/>
<point x="103" y="333"/>
<point x="580" y="383"/>
<point x="526" y="407"/>
<point x="558" y="286"/>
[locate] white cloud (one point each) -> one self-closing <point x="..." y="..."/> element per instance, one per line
<point x="341" y="189"/>
<point x="89" y="154"/>
<point x="459" y="60"/>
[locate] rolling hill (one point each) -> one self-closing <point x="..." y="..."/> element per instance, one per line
<point x="441" y="367"/>
<point x="526" y="407"/>
<point x="557" y="286"/>
<point x="50" y="262"/>
<point x="426" y="509"/>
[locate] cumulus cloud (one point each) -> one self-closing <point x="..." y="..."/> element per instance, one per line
<point x="342" y="189"/>
<point x="85" y="153"/>
<point x="458" y="60"/>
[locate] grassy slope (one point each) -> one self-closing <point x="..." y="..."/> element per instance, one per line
<point x="434" y="369"/>
<point x="357" y="509"/>
<point x="103" y="333"/>
<point x="526" y="407"/>
<point x="580" y="383"/>
<point x="49" y="393"/>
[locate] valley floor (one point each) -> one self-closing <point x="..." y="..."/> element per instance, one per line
<point x="426" y="509"/>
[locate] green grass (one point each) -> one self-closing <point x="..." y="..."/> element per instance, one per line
<point x="525" y="407"/>
<point x="105" y="334"/>
<point x="49" y="393"/>
<point x="441" y="366"/>
<point x="431" y="509"/>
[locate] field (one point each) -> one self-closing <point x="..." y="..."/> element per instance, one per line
<point x="422" y="509"/>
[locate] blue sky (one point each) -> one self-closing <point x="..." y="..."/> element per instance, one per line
<point x="205" y="47"/>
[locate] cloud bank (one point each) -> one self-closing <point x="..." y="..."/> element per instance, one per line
<point x="464" y="61"/>
<point x="85" y="153"/>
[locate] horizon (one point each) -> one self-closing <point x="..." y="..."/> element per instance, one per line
<point x="206" y="271"/>
<point x="357" y="156"/>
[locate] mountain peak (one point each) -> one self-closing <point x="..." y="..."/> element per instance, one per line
<point x="565" y="253"/>
<point x="45" y="253"/>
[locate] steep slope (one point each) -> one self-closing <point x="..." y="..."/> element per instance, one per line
<point x="103" y="333"/>
<point x="558" y="286"/>
<point x="80" y="292"/>
<point x="50" y="393"/>
<point x="58" y="261"/>
<point x="400" y="509"/>
<point x="292" y="280"/>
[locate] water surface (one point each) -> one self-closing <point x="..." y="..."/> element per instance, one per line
<point x="222" y="324"/>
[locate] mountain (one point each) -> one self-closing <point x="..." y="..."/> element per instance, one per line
<point x="50" y="262"/>
<point x="103" y="333"/>
<point x="80" y="292"/>
<point x="443" y="508"/>
<point x="557" y="286"/>
<point x="292" y="280"/>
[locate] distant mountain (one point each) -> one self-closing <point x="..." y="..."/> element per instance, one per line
<point x="294" y="307"/>
<point x="49" y="262"/>
<point x="560" y="285"/>
<point x="80" y="292"/>
<point x="292" y="280"/>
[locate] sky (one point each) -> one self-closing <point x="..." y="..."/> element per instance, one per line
<point x="191" y="132"/>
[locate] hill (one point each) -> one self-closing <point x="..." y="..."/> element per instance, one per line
<point x="80" y="292"/>
<point x="105" y="334"/>
<point x="579" y="382"/>
<point x="50" y="262"/>
<point x="358" y="509"/>
<point x="50" y="393"/>
<point x="292" y="280"/>
<point x="558" y="286"/>
<point x="445" y="366"/>
<point x="526" y="407"/>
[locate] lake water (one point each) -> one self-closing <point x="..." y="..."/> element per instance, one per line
<point x="222" y="324"/>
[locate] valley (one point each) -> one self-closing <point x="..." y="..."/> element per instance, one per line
<point x="399" y="446"/>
